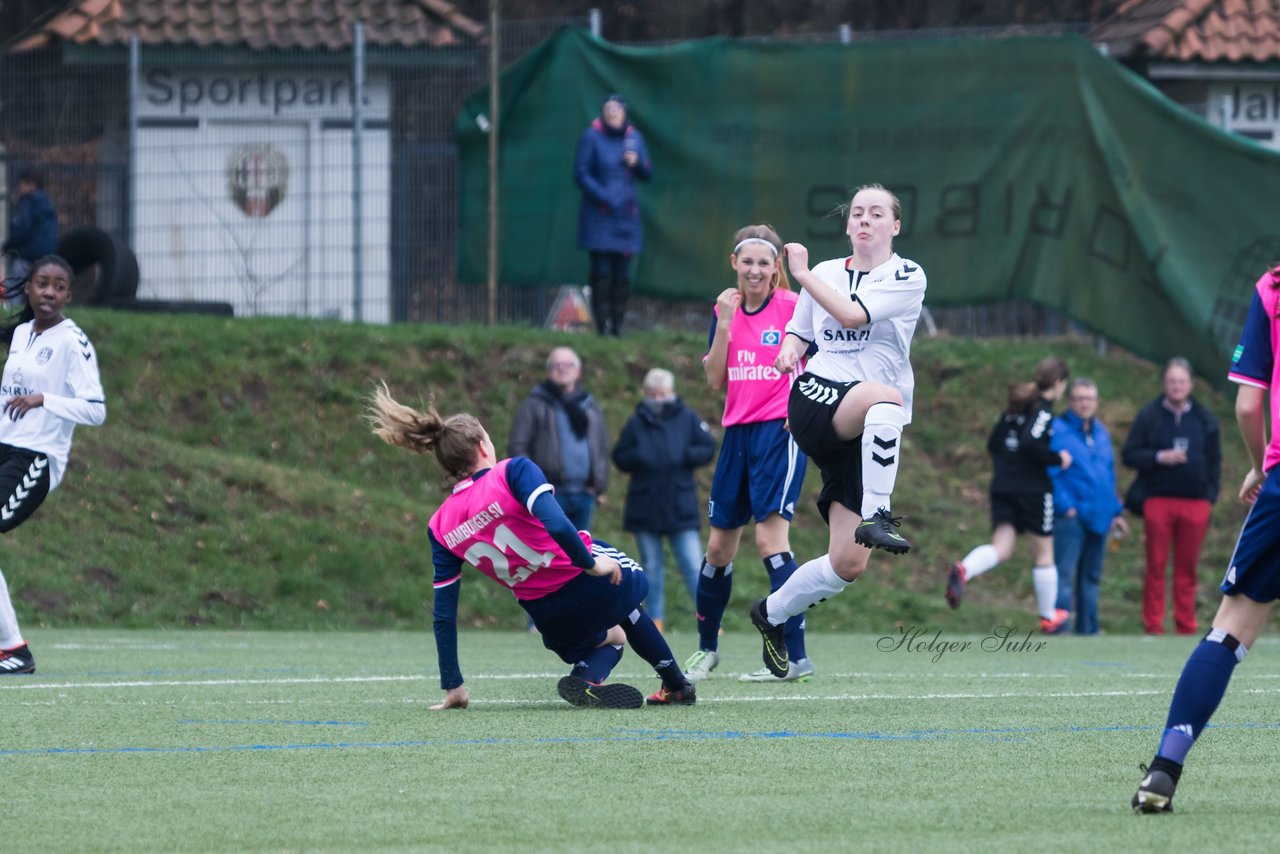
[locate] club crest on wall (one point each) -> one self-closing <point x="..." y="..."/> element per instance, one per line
<point x="257" y="178"/>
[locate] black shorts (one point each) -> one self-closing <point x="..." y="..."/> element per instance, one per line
<point x="24" y="483"/>
<point x="1027" y="512"/>
<point x="811" y="409"/>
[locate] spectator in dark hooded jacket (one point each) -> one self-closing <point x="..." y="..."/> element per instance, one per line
<point x="611" y="155"/>
<point x="660" y="446"/>
<point x="33" y="228"/>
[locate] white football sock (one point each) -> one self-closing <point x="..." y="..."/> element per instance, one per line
<point x="881" y="452"/>
<point x="807" y="586"/>
<point x="1045" y="581"/>
<point x="10" y="635"/>
<point x="982" y="559"/>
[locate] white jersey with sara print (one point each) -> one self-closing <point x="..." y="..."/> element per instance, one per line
<point x="892" y="295"/>
<point x="61" y="364"/>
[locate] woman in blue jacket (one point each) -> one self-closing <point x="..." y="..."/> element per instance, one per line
<point x="1086" y="506"/>
<point x="660" y="446"/>
<point x="611" y="155"/>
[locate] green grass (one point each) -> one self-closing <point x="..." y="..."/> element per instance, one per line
<point x="267" y="741"/>
<point x="236" y="485"/>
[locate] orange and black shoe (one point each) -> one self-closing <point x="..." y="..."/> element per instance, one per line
<point x="1056" y="623"/>
<point x="615" y="695"/>
<point x="18" y="660"/>
<point x="687" y="695"/>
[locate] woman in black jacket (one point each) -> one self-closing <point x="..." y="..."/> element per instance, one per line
<point x="1021" y="492"/>
<point x="660" y="446"/>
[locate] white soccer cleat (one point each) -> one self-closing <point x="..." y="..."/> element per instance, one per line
<point x="797" y="671"/>
<point x="700" y="664"/>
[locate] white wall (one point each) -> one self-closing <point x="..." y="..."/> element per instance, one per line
<point x="242" y="191"/>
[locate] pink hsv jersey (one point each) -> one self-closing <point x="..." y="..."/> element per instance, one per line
<point x="755" y="391"/>
<point x="485" y="525"/>
<point x="1255" y="360"/>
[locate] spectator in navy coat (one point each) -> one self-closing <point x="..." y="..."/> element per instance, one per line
<point x="611" y="155"/>
<point x="33" y="228"/>
<point x="1086" y="505"/>
<point x="660" y="446"/>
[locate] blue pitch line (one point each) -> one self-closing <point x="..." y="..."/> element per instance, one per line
<point x="278" y="723"/>
<point x="622" y="736"/>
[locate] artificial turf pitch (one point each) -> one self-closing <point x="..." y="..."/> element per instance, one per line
<point x="268" y="741"/>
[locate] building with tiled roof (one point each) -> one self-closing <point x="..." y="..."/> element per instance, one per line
<point x="226" y="159"/>
<point x="1218" y="58"/>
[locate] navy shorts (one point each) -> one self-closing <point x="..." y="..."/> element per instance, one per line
<point x="1027" y="512"/>
<point x="759" y="472"/>
<point x="1255" y="564"/>
<point x="575" y="619"/>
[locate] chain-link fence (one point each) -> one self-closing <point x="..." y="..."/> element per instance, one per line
<point x="232" y="173"/>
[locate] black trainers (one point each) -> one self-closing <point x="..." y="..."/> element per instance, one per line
<point x="878" y="533"/>
<point x="17" y="660"/>
<point x="955" y="585"/>
<point x="775" y="645"/>
<point x="615" y="695"/>
<point x="686" y="696"/>
<point x="1155" y="792"/>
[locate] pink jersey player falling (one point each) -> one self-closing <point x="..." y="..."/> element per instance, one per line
<point x="488" y="527"/>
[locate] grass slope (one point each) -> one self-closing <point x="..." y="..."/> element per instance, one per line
<point x="235" y="483"/>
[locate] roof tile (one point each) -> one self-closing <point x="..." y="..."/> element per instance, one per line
<point x="1194" y="30"/>
<point x="258" y="24"/>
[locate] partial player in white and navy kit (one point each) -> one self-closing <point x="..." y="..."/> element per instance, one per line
<point x="1252" y="582"/>
<point x="502" y="518"/>
<point x="1022" y="452"/>
<point x="760" y="468"/>
<point x="50" y="385"/>
<point x="847" y="410"/>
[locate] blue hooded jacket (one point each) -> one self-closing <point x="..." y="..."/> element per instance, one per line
<point x="33" y="228"/>
<point x="1089" y="485"/>
<point x="609" y="218"/>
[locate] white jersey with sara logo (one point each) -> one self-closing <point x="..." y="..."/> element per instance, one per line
<point x="892" y="295"/>
<point x="61" y="364"/>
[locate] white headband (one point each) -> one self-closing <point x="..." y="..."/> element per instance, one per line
<point x="759" y="240"/>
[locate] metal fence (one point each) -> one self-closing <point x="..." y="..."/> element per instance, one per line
<point x="232" y="175"/>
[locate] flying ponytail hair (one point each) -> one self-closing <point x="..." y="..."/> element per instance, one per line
<point x="1049" y="371"/>
<point x="766" y="233"/>
<point x="452" y="440"/>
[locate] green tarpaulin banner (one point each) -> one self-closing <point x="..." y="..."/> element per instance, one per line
<point x="1029" y="169"/>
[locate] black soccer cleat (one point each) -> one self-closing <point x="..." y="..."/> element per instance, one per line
<point x="878" y="533"/>
<point x="18" y="660"/>
<point x="687" y="695"/>
<point x="615" y="695"/>
<point x="774" y="653"/>
<point x="1155" y="792"/>
<point x="955" y="585"/>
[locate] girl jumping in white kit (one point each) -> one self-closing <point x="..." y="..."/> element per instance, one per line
<point x="847" y="410"/>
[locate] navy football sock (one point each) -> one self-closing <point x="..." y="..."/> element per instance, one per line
<point x="596" y="665"/>
<point x="781" y="567"/>
<point x="715" y="583"/>
<point x="650" y="645"/>
<point x="1200" y="688"/>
